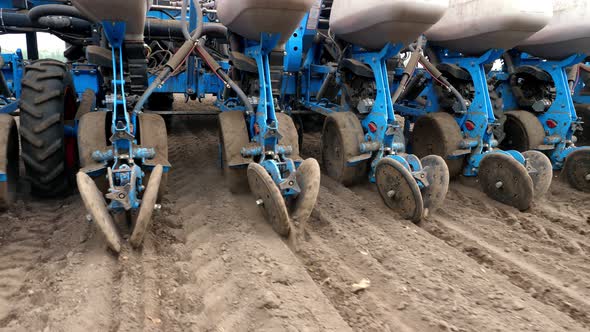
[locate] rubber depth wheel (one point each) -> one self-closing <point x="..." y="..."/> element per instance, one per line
<point x="437" y="174"/>
<point x="153" y="134"/>
<point x="96" y="206"/>
<point x="289" y="133"/>
<point x="341" y="138"/>
<point x="9" y="160"/>
<point x="577" y="169"/>
<point x="505" y="180"/>
<point x="272" y="203"/>
<point x="148" y="202"/>
<point x="399" y="189"/>
<point x="543" y="174"/>
<point x="583" y="112"/>
<point x="438" y="134"/>
<point x="233" y="136"/>
<point x="523" y="131"/>
<point x="308" y="178"/>
<point x="48" y="102"/>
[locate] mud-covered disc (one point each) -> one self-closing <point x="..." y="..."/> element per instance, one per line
<point x="97" y="207"/>
<point x="506" y="180"/>
<point x="543" y="174"/>
<point x="577" y="169"/>
<point x="269" y="198"/>
<point x="399" y="189"/>
<point x="308" y="178"/>
<point x="437" y="174"/>
<point x="148" y="202"/>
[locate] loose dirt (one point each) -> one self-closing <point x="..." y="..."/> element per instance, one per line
<point x="212" y="263"/>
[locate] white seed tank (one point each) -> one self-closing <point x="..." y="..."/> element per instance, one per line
<point x="373" y="23"/>
<point x="566" y="34"/>
<point x="250" y="18"/>
<point x="475" y="26"/>
<point x="133" y="12"/>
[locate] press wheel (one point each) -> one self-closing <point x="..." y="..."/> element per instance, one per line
<point x="341" y="138"/>
<point x="95" y="205"/>
<point x="308" y="178"/>
<point x="505" y="180"/>
<point x="148" y="202"/>
<point x="523" y="131"/>
<point x="269" y="198"/>
<point x="438" y="134"/>
<point x="437" y="174"/>
<point x="577" y="169"/>
<point x="399" y="189"/>
<point x="543" y="171"/>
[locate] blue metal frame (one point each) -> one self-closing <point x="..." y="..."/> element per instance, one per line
<point x="13" y="72"/>
<point x="263" y="126"/>
<point x="562" y="111"/>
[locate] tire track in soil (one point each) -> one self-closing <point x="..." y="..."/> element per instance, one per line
<point x="412" y="270"/>
<point x="536" y="253"/>
<point x="231" y="271"/>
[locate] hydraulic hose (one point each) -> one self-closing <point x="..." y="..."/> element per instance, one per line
<point x="437" y="75"/>
<point x="38" y="12"/>
<point x="179" y="57"/>
<point x="409" y="69"/>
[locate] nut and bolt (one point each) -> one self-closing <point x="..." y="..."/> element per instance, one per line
<point x="499" y="184"/>
<point x="259" y="202"/>
<point x="157" y="207"/>
<point x="391" y="193"/>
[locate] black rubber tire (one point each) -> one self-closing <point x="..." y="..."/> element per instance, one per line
<point x="583" y="112"/>
<point x="48" y="100"/>
<point x="523" y="131"/>
<point x="341" y="138"/>
<point x="438" y="134"/>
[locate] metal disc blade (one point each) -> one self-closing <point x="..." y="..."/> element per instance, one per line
<point x="577" y="169"/>
<point x="505" y="180"/>
<point x="269" y="198"/>
<point x="543" y="174"/>
<point x="399" y="189"/>
<point x="144" y="217"/>
<point x="308" y="178"/>
<point x="437" y="174"/>
<point x="97" y="207"/>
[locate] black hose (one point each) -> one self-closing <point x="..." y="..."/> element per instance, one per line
<point x="439" y="76"/>
<point x="157" y="28"/>
<point x="409" y="70"/>
<point x="55" y="10"/>
<point x="178" y="57"/>
<point x="18" y="20"/>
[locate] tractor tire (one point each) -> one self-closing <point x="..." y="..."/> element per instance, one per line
<point x="48" y="103"/>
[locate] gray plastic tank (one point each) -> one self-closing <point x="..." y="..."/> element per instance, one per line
<point x="133" y="12"/>
<point x="250" y="18"/>
<point x="474" y="26"/>
<point x="566" y="34"/>
<point x="373" y="23"/>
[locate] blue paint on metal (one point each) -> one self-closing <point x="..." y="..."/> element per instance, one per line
<point x="3" y="177"/>
<point x="85" y="77"/>
<point x="562" y="111"/>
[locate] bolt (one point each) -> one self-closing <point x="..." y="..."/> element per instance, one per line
<point x="291" y="183"/>
<point x="157" y="207"/>
<point x="499" y="184"/>
<point x="121" y="196"/>
<point x="259" y="202"/>
<point x="88" y="218"/>
<point x="391" y="193"/>
<point x="587" y="177"/>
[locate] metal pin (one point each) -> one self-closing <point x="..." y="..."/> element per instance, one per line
<point x="259" y="202"/>
<point x="499" y="184"/>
